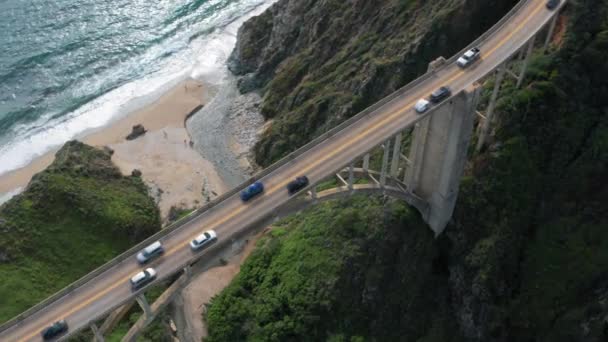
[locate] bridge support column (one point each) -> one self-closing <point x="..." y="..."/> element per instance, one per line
<point x="485" y="127"/>
<point x="417" y="150"/>
<point x="188" y="272"/>
<point x="396" y="156"/>
<point x="143" y="303"/>
<point x="550" y="32"/>
<point x="524" y="67"/>
<point x="387" y="148"/>
<point x="313" y="193"/>
<point x="114" y="318"/>
<point x="521" y="53"/>
<point x="438" y="155"/>
<point x="351" y="176"/>
<point x="97" y="336"/>
<point x="366" y="162"/>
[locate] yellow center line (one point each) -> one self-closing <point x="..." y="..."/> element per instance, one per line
<point x="304" y="170"/>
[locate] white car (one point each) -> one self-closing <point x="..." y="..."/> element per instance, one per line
<point x="422" y="106"/>
<point x="142" y="278"/>
<point x="468" y="57"/>
<point x="203" y="240"/>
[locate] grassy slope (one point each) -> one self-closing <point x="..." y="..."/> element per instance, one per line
<point x="344" y="270"/>
<point x="74" y="216"/>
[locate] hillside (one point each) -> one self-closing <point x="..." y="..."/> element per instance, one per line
<point x="72" y="217"/>
<point x="526" y="256"/>
<point x="320" y="62"/>
<point x="343" y="270"/>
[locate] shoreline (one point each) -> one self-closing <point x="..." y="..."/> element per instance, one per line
<point x="170" y="166"/>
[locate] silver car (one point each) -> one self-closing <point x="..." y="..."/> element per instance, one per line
<point x="422" y="106"/>
<point x="203" y="240"/>
<point x="152" y="251"/>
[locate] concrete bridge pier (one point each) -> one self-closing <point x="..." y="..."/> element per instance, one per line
<point x="438" y="155"/>
<point x="485" y="127"/>
<point x="114" y="318"/>
<point x="366" y="162"/>
<point x="550" y="32"/>
<point x="383" y="170"/>
<point x="145" y="306"/>
<point x="97" y="335"/>
<point x="351" y="176"/>
<point x="313" y="193"/>
<point x="524" y="67"/>
<point x="396" y="156"/>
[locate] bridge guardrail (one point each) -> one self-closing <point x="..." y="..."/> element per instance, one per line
<point x="195" y="214"/>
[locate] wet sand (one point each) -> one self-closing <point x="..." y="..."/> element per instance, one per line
<point x="163" y="154"/>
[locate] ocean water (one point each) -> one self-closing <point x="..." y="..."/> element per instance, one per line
<point x="68" y="66"/>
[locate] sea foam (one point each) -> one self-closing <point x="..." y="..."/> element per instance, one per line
<point x="182" y="56"/>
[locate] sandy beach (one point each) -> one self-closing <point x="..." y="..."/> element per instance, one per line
<point x="176" y="173"/>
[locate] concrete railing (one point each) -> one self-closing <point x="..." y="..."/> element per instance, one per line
<point x="195" y="214"/>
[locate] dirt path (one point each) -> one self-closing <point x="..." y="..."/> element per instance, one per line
<point x="205" y="286"/>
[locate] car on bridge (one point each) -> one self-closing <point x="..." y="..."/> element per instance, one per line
<point x="468" y="57"/>
<point x="152" y="251"/>
<point x="422" y="106"/>
<point x="142" y="278"/>
<point x="552" y="4"/>
<point x="440" y="94"/>
<point x="297" y="184"/>
<point x="54" y="330"/>
<point x="203" y="240"/>
<point x="252" y="191"/>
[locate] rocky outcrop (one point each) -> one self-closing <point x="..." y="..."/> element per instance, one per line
<point x="320" y="62"/>
<point x="75" y="215"/>
<point x="136" y="132"/>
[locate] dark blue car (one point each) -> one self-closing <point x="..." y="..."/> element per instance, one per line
<point x="252" y="191"/>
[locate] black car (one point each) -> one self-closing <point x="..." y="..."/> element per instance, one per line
<point x="297" y="184"/>
<point x="440" y="94"/>
<point x="54" y="330"/>
<point x="551" y="4"/>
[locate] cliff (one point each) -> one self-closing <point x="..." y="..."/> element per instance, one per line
<point x="320" y="62"/>
<point x="72" y="217"/>
<point x="526" y="254"/>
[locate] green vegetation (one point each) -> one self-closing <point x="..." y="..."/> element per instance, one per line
<point x="533" y="214"/>
<point x="347" y="270"/>
<point x="74" y="216"/>
<point x="321" y="62"/>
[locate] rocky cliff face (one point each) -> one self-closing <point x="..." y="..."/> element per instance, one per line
<point x="320" y="62"/>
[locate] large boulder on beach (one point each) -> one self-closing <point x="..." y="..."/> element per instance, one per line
<point x="136" y="132"/>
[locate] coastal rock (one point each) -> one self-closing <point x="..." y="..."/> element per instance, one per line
<point x="137" y="131"/>
<point x="108" y="150"/>
<point x="76" y="158"/>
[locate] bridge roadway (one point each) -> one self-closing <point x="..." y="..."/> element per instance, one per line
<point x="111" y="288"/>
